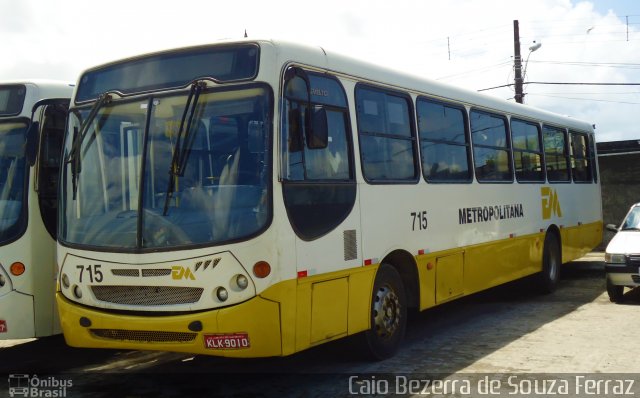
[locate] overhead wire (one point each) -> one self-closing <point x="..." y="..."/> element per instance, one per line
<point x="584" y="99"/>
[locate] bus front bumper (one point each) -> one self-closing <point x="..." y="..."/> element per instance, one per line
<point x="16" y="316"/>
<point x="249" y="329"/>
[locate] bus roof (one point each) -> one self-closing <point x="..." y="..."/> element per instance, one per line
<point x="316" y="56"/>
<point x="339" y="63"/>
<point x="46" y="88"/>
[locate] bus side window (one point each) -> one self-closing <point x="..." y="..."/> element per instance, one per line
<point x="492" y="156"/>
<point x="555" y="153"/>
<point x="580" y="157"/>
<point x="444" y="142"/>
<point x="388" y="146"/>
<point x="527" y="151"/>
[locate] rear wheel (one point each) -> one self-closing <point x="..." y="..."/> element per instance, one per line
<point x="551" y="261"/>
<point x="615" y="292"/>
<point x="388" y="314"/>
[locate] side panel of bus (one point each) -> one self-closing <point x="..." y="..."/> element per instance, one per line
<point x="27" y="304"/>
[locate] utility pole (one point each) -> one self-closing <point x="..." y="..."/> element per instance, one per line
<point x="517" y="62"/>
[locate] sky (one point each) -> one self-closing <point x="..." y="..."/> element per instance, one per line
<point x="468" y="43"/>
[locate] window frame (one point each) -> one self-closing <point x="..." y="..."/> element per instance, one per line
<point x="315" y="223"/>
<point x="24" y="219"/>
<point x="565" y="154"/>
<point x="540" y="145"/>
<point x="331" y="107"/>
<point x="413" y="129"/>
<point x="587" y="157"/>
<point x="507" y="147"/>
<point x="467" y="139"/>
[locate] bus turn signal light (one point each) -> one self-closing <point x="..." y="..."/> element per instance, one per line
<point x="17" y="268"/>
<point x="261" y="269"/>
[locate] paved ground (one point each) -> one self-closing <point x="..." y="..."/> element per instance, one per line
<point x="505" y="336"/>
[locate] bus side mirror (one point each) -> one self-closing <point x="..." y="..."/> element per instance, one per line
<point x="318" y="134"/>
<point x="31" y="150"/>
<point x="612" y="227"/>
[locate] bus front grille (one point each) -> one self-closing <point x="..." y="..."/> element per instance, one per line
<point x="156" y="272"/>
<point x="147" y="295"/>
<point x="125" y="272"/>
<point x="146" y="336"/>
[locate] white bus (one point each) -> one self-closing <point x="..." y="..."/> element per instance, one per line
<point x="32" y="119"/>
<point x="257" y="198"/>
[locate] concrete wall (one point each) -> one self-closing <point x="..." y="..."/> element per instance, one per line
<point x="620" y="180"/>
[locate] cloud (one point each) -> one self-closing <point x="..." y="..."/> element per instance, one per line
<point x="15" y="16"/>
<point x="463" y="42"/>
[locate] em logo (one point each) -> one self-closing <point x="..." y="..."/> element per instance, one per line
<point x="178" y="272"/>
<point x="550" y="203"/>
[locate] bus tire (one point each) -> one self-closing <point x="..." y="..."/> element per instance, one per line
<point x="615" y="292"/>
<point x="388" y="314"/>
<point x="551" y="261"/>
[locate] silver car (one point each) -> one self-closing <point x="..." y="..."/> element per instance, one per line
<point x="623" y="255"/>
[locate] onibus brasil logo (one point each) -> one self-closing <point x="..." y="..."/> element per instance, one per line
<point x="23" y="385"/>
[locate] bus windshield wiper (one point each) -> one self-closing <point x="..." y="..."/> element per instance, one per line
<point x="74" y="154"/>
<point x="183" y="145"/>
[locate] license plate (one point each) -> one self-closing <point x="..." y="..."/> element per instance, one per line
<point x="226" y="341"/>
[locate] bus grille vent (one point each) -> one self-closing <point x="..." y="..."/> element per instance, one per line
<point x="350" y="245"/>
<point x="147" y="336"/>
<point x="125" y="272"/>
<point x="156" y="272"/>
<point x="147" y="295"/>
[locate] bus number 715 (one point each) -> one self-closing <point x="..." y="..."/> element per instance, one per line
<point x="419" y="219"/>
<point x="93" y="270"/>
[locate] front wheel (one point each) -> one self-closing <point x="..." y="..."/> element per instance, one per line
<point x="388" y="314"/>
<point x="615" y="292"/>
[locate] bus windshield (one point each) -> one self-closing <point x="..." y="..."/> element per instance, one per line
<point x="12" y="178"/>
<point x="137" y="180"/>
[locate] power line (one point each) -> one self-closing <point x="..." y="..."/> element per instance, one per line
<point x="585" y="99"/>
<point x="564" y="84"/>
<point x="481" y="69"/>
<point x="594" y="93"/>
<point x="600" y="64"/>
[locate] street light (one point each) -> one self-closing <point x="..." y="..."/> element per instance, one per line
<point x="517" y="61"/>
<point x="533" y="48"/>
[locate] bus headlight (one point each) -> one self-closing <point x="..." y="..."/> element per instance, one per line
<point x="222" y="294"/>
<point x="2" y="280"/>
<point x="77" y="292"/>
<point x="242" y="282"/>
<point x="65" y="281"/>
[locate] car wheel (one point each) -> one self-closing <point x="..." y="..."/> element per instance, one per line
<point x="615" y="292"/>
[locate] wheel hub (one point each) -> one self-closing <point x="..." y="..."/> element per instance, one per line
<point x="386" y="311"/>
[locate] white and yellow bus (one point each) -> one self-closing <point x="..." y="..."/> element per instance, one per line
<point x="257" y="198"/>
<point x="32" y="121"/>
